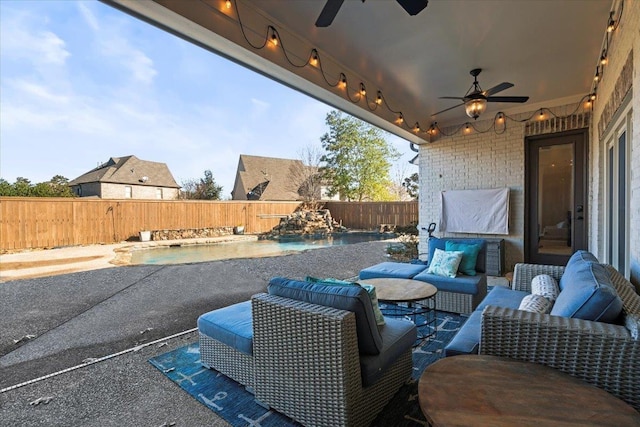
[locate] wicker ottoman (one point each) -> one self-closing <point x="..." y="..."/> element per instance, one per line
<point x="226" y="342"/>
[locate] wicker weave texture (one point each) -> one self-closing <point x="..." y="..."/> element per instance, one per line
<point x="523" y="274"/>
<point x="602" y="354"/>
<point x="459" y="303"/>
<point x="227" y="360"/>
<point x="307" y="364"/>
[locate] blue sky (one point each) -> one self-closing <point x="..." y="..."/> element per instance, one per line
<point x="81" y="82"/>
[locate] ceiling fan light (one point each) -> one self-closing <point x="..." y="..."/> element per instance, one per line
<point x="475" y="107"/>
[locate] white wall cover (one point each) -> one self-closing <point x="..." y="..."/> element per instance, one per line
<point x="475" y="211"/>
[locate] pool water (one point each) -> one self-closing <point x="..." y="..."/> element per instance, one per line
<point x="246" y="249"/>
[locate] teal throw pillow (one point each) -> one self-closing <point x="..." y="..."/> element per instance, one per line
<point x="445" y="263"/>
<point x="469" y="256"/>
<point x="371" y="290"/>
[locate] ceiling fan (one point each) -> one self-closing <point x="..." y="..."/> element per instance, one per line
<point x="475" y="100"/>
<point x="331" y="8"/>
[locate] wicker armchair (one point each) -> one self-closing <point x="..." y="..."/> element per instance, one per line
<point x="603" y="354"/>
<point x="307" y="364"/>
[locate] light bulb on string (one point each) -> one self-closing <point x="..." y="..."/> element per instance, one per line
<point x="379" y="98"/>
<point x="363" y="91"/>
<point x="227" y="4"/>
<point x="314" y="58"/>
<point x="343" y="81"/>
<point x="400" y="119"/>
<point x="612" y="24"/>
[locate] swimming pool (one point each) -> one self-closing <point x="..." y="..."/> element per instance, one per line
<point x="246" y="249"/>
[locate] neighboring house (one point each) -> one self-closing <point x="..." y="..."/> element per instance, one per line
<point x="269" y="178"/>
<point x="127" y="178"/>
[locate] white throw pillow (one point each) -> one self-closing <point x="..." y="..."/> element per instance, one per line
<point x="535" y="304"/>
<point x="445" y="263"/>
<point x="546" y="286"/>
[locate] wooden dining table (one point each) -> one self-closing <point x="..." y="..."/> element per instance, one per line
<point x="478" y="390"/>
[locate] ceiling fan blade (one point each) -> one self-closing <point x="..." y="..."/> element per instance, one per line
<point x="451" y="97"/>
<point x="498" y="88"/>
<point x="507" y="99"/>
<point x="413" y="7"/>
<point x="329" y="12"/>
<point x="450" y="108"/>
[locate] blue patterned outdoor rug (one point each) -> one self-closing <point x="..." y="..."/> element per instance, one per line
<point x="231" y="401"/>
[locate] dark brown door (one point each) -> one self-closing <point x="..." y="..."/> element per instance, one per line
<point x="555" y="197"/>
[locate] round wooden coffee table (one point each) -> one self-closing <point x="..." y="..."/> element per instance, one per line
<point x="413" y="299"/>
<point x="495" y="391"/>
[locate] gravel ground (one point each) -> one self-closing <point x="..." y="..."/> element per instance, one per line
<point x="97" y="313"/>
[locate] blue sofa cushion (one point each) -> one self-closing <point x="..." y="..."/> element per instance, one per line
<point x="397" y="336"/>
<point x="587" y="293"/>
<point x="467" y="339"/>
<point x="350" y="298"/>
<point x="395" y="270"/>
<point x="231" y="325"/>
<point x="460" y="284"/>
<point x="437" y="243"/>
<point x="577" y="258"/>
<point x="502" y="297"/>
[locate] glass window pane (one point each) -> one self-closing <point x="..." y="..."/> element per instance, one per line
<point x="622" y="202"/>
<point x="555" y="199"/>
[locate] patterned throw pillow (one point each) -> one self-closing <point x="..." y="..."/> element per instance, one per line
<point x="632" y="323"/>
<point x="445" y="263"/>
<point x="535" y="304"/>
<point x="546" y="286"/>
<point x="371" y="290"/>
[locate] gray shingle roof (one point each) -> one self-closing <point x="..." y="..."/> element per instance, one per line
<point x="129" y="170"/>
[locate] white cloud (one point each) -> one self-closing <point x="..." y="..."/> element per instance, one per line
<point x="22" y="39"/>
<point x="88" y="16"/>
<point x="38" y="91"/>
<point x="139" y="65"/>
<point x="258" y="108"/>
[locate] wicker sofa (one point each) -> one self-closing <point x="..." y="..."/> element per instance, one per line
<point x="460" y="294"/>
<point x="606" y="355"/>
<point x="318" y="364"/>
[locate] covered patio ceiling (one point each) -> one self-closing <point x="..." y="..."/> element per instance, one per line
<point x="547" y="49"/>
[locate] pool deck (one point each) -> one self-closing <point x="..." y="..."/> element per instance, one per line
<point x="29" y="264"/>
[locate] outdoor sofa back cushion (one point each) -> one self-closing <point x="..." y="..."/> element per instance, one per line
<point x="350" y="298"/>
<point x="587" y="293"/>
<point x="577" y="258"/>
<point x="437" y="243"/>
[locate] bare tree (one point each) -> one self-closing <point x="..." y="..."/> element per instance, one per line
<point x="306" y="175"/>
<point x="398" y="187"/>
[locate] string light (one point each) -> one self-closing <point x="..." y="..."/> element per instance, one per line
<point x="612" y="24"/>
<point x="274" y="37"/>
<point x="379" y="98"/>
<point x="313" y="59"/>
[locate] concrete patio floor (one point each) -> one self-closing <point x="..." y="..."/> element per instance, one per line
<point x="91" y="314"/>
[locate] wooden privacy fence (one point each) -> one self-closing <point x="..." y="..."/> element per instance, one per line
<point x="33" y="222"/>
<point x="369" y="215"/>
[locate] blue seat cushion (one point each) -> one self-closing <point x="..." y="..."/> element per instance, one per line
<point x="398" y="335"/>
<point x="460" y="284"/>
<point x="467" y="340"/>
<point x="394" y="270"/>
<point x="350" y="298"/>
<point x="587" y="294"/>
<point x="437" y="243"/>
<point x="502" y="297"/>
<point x="232" y="325"/>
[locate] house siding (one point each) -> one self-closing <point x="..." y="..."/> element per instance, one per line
<point x="117" y="191"/>
<point x="624" y="51"/>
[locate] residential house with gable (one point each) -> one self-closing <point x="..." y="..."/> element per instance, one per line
<point x="127" y="178"/>
<point x="275" y="179"/>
